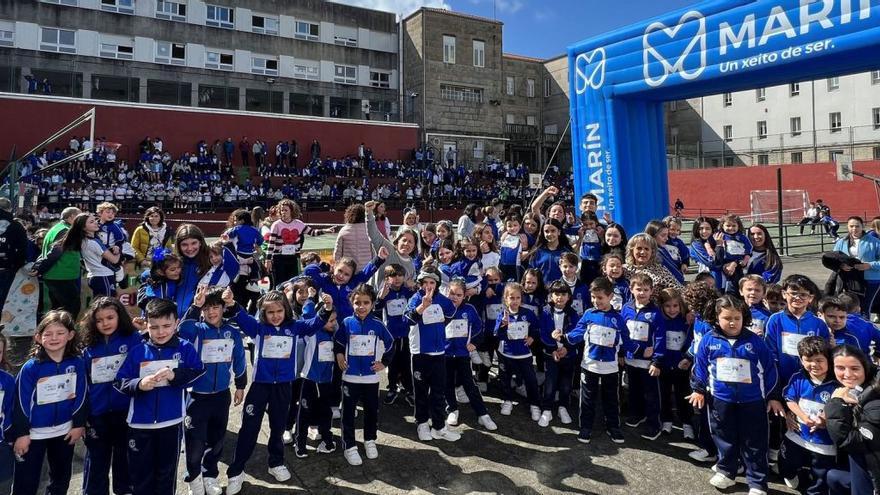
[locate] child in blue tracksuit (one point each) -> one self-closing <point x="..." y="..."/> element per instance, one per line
<point x="668" y="255"/>
<point x="602" y="331"/>
<point x="315" y="392"/>
<point x="612" y="268"/>
<point x="363" y="347"/>
<point x="51" y="407"/>
<point x="534" y="294"/>
<point x="752" y="288"/>
<point x="560" y="359"/>
<point x="156" y="374"/>
<point x="515" y="330"/>
<point x="644" y="356"/>
<point x="734" y="375"/>
<point x="699" y="298"/>
<point x="220" y="348"/>
<point x="489" y="305"/>
<point x="579" y="290"/>
<point x="245" y="240"/>
<point x="274" y="372"/>
<point x="589" y="250"/>
<point x="428" y="311"/>
<point x="344" y="279"/>
<point x="513" y="244"/>
<point x="224" y="267"/>
<point x="733" y="247"/>
<point x="859" y="328"/>
<point x="675" y="372"/>
<point x="7" y="400"/>
<point x="108" y="336"/>
<point x="674" y="241"/>
<point x="392" y="303"/>
<point x="462" y="330"/>
<point x="806" y="395"/>
<point x="160" y="281"/>
<point x="466" y="264"/>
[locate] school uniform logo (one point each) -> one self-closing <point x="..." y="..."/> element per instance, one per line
<point x="287" y="332"/>
<point x="417" y="375"/>
<point x="132" y="445"/>
<point x="187" y="422"/>
<point x="824" y="396"/>
<point x="304" y="403"/>
<point x="70" y="369"/>
<point x="123" y="349"/>
<point x="176" y="356"/>
<point x="249" y="409"/>
<point x="345" y="390"/>
<point x="748" y="347"/>
<point x="227" y="334"/>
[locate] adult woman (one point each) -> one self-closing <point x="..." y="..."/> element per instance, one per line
<point x="641" y="257"/>
<point x="467" y="221"/>
<point x="867" y="250"/>
<point x="382" y="220"/>
<point x="60" y="268"/>
<point x="853" y="420"/>
<point x="401" y="250"/>
<point x="551" y="243"/>
<point x="286" y="239"/>
<point x="703" y="247"/>
<point x="765" y="260"/>
<point x="353" y="241"/>
<point x="153" y="232"/>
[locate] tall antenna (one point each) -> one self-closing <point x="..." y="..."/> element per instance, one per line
<point x="494" y="5"/>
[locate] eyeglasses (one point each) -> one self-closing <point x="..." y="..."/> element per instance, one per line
<point x="799" y="295"/>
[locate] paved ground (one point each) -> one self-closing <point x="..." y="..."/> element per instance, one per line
<point x="518" y="458"/>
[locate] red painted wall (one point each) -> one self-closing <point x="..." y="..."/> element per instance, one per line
<point x="722" y="189"/>
<point x="26" y="122"/>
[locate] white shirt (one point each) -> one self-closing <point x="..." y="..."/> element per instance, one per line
<point x="92" y="254"/>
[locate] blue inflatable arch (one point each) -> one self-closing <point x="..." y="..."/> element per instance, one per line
<point x="620" y="80"/>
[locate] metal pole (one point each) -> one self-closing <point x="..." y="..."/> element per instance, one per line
<point x="779" y="208"/>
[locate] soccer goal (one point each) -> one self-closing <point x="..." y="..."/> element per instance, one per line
<point x="765" y="205"/>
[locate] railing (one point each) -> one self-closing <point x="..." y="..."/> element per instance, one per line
<point x="521" y="131"/>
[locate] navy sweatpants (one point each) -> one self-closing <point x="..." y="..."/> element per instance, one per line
<point x="273" y="398"/>
<point x="429" y="384"/>
<point x="793" y="458"/>
<point x="591" y="383"/>
<point x="314" y="410"/>
<point x="644" y="396"/>
<point x="557" y="380"/>
<point x="523" y="370"/>
<point x="740" y="432"/>
<point x="367" y="394"/>
<point x="58" y="452"/>
<point x="399" y="372"/>
<point x="204" y="429"/>
<point x="107" y="446"/>
<point x="152" y="459"/>
<point x="674" y="387"/>
<point x="459" y="373"/>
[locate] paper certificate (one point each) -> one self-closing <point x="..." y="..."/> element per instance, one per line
<point x="517" y="330"/>
<point x="52" y="389"/>
<point x="395" y="307"/>
<point x="153" y="367"/>
<point x="104" y="368"/>
<point x="733" y="370"/>
<point x="277" y="346"/>
<point x="362" y="345"/>
<point x="217" y="351"/>
<point x="456" y="329"/>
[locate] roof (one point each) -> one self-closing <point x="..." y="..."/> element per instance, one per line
<point x="456" y="14"/>
<point x="522" y="57"/>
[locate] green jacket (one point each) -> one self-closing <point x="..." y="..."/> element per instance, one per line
<point x="68" y="266"/>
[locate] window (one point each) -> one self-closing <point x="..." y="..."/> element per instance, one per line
<point x="264" y="65"/>
<point x="261" y="100"/>
<point x="461" y="93"/>
<point x="62" y="83"/>
<point x="305" y="104"/>
<point x="835" y="121"/>
<point x="511" y="86"/>
<point x="479" y="53"/>
<point x="877" y="152"/>
<point x="115" y="88"/>
<point x="794" y="89"/>
<point x="728" y="133"/>
<point x="169" y="92"/>
<point x="220" y="17"/>
<point x="170" y="53"/>
<point x="309" y="71"/>
<point x="548" y="88"/>
<point x="306" y="31"/>
<point x="760" y="94"/>
<point x="174" y="11"/>
<point x="121" y="6"/>
<point x="728" y="161"/>
<point x="263" y="24"/>
<point x="345" y="74"/>
<point x="797" y="157"/>
<point x="530" y="120"/>
<point x="478" y="148"/>
<point x="876" y="117"/>
<point x="117" y="50"/>
<point x="762" y="129"/>
<point x="58" y="40"/>
<point x="728" y="99"/>
<point x="509" y="119"/>
<point x="833" y="83"/>
<point x="215" y="59"/>
<point x="875" y="77"/>
<point x="763" y="159"/>
<point x="346" y="39"/>
<point x="7" y="37"/>
<point x="218" y="97"/>
<point x="380" y="79"/>
<point x="530" y="88"/>
<point x="448" y="49"/>
<point x="672" y="105"/>
<point x="551" y="129"/>
<point x="72" y="3"/>
<point x="795" y="126"/>
<point x="833" y="154"/>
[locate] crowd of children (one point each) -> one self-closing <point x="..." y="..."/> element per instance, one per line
<point x="738" y="363"/>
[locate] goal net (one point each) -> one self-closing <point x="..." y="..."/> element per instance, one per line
<point x="765" y="205"/>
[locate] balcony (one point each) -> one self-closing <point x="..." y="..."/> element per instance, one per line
<point x="520" y="132"/>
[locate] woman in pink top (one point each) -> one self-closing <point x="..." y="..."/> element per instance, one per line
<point x="353" y="241"/>
<point x="286" y="239"/>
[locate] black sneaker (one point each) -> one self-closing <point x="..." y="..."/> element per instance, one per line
<point x="616" y="435"/>
<point x="651" y="434"/>
<point x="327" y="447"/>
<point x="301" y="451"/>
<point x="634" y="422"/>
<point x="584" y="436"/>
<point x="390" y="397"/>
<point x="410" y="400"/>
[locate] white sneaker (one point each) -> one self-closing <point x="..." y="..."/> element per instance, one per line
<point x="336" y="412"/>
<point x="544" y="420"/>
<point x="326" y="447"/>
<point x="564" y="417"/>
<point x="370" y="449"/>
<point x="666" y="427"/>
<point x="487" y="423"/>
<point x="521" y="390"/>
<point x="721" y="482"/>
<point x="506" y="408"/>
<point x="756" y="491"/>
<point x="536" y="412"/>
<point x="212" y="487"/>
<point x="287" y="437"/>
<point x="452" y="419"/>
<point x="233" y="485"/>
<point x="445" y="434"/>
<point x="460" y="396"/>
<point x="702" y="455"/>
<point x="197" y="486"/>
<point x="482" y="387"/>
<point x="424" y="432"/>
<point x="280" y="473"/>
<point x="353" y="457"/>
<point x="688" y="432"/>
<point x="792" y="482"/>
<point x="313" y="434"/>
